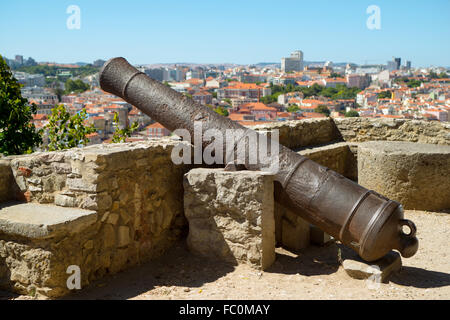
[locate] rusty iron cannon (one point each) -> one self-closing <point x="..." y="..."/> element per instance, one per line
<point x="361" y="219"/>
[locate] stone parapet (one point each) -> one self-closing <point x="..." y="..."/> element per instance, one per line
<point x="370" y="129"/>
<point x="416" y="175"/>
<point x="136" y="192"/>
<point x="302" y="133"/>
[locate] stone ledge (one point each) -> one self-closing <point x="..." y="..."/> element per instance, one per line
<point x="37" y="221"/>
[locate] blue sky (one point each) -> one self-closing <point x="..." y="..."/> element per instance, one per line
<point x="217" y="31"/>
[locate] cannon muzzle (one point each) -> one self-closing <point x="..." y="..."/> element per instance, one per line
<point x="367" y="222"/>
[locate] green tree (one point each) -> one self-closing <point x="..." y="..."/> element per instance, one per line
<point x="65" y="131"/>
<point x="227" y="100"/>
<point x="121" y="135"/>
<point x="414" y="83"/>
<point x="433" y="75"/>
<point x="322" y="109"/>
<point x="385" y="95"/>
<point x="222" y="111"/>
<point x="352" y="113"/>
<point x="77" y="86"/>
<point x="18" y="135"/>
<point x="293" y="108"/>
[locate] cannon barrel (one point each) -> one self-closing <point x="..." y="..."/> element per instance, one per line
<point x="361" y="219"/>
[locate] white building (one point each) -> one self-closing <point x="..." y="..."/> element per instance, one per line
<point x="293" y="63"/>
<point x="30" y="80"/>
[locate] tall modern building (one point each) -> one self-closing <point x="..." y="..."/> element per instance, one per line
<point x="408" y="65"/>
<point x="394" y="64"/>
<point x="19" y="59"/>
<point x="293" y="63"/>
<point x="156" y="73"/>
<point x="398" y="62"/>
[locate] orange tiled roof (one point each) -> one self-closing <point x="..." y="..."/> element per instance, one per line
<point x="257" y="106"/>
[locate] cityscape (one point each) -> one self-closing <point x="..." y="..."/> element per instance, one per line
<point x="292" y="89"/>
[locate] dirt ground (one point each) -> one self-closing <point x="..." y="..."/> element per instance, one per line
<point x="313" y="273"/>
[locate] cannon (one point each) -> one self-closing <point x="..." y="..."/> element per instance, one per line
<point x="361" y="219"/>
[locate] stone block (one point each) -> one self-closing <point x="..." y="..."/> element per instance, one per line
<point x="123" y="236"/>
<point x="65" y="201"/>
<point x="414" y="174"/>
<point x="37" y="221"/>
<point x="80" y="185"/>
<point x="231" y="215"/>
<point x="379" y="270"/>
<point x="113" y="218"/>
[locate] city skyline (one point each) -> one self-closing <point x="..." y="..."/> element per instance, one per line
<point x="231" y="32"/>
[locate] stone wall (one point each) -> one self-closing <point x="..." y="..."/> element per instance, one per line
<point x="340" y="157"/>
<point x="369" y="129"/>
<point x="136" y="191"/>
<point x="302" y="133"/>
<point x="313" y="132"/>
<point x="414" y="174"/>
<point x="6" y="181"/>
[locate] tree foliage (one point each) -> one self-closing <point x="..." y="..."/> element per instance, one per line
<point x="293" y="108"/>
<point x="385" y="95"/>
<point x="222" y="111"/>
<point x="323" y="110"/>
<point x="352" y="113"/>
<point x="76" y="86"/>
<point x="335" y="75"/>
<point x="18" y="135"/>
<point x="53" y="71"/>
<point x="66" y="131"/>
<point x="316" y="90"/>
<point x="434" y="75"/>
<point x="414" y="83"/>
<point x="121" y="135"/>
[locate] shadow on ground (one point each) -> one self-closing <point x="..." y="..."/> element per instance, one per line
<point x="5" y="295"/>
<point x="421" y="278"/>
<point x="178" y="267"/>
<point x="311" y="261"/>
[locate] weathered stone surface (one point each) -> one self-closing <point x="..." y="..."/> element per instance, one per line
<point x="368" y="129"/>
<point x="135" y="190"/>
<point x="123" y="236"/>
<point x="416" y="175"/>
<point x="339" y="157"/>
<point x="381" y="269"/>
<point x="302" y="133"/>
<point x="230" y="215"/>
<point x="65" y="200"/>
<point x="6" y="181"/>
<point x="43" y="221"/>
<point x="313" y="132"/>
